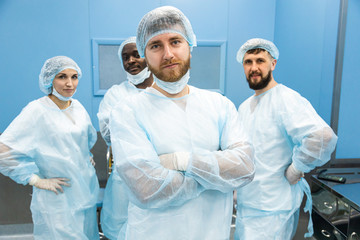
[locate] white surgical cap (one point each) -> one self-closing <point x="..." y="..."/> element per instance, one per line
<point x="53" y="66"/>
<point x="257" y="43"/>
<point x="161" y="20"/>
<point x="126" y="41"/>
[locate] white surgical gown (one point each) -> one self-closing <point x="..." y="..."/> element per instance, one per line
<point x="115" y="203"/>
<point x="50" y="142"/>
<point x="167" y="204"/>
<point x="284" y="128"/>
<point x="113" y="96"/>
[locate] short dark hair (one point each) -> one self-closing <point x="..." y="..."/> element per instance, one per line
<point x="258" y="50"/>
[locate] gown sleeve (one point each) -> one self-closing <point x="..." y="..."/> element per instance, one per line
<point x="148" y="183"/>
<point x="17" y="148"/>
<point x="92" y="134"/>
<point x="233" y="165"/>
<point x="106" y="104"/>
<point x="313" y="139"/>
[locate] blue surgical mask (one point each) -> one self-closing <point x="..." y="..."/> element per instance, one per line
<point x="61" y="97"/>
<point x="140" y="77"/>
<point x="173" y="87"/>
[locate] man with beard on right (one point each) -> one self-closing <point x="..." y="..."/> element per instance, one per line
<point x="289" y="139"/>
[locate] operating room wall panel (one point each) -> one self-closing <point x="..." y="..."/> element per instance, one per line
<point x="246" y="19"/>
<point x="349" y="115"/>
<point x="117" y="18"/>
<point x="328" y="59"/>
<point x="30" y="33"/>
<point x="306" y="35"/>
<point x="209" y="18"/>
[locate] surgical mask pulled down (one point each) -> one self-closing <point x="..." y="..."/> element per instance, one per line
<point x="140" y="77"/>
<point x="61" y="97"/>
<point x="173" y="87"/>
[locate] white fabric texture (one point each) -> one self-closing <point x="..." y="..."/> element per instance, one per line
<point x="168" y="204"/>
<point x="284" y="129"/>
<point x="255" y="43"/>
<point x="113" y="96"/>
<point x="115" y="202"/>
<point x="50" y="143"/>
<point x="138" y="78"/>
<point x="61" y="97"/>
<point x="262" y="225"/>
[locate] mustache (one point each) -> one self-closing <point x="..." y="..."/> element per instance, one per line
<point x="168" y="62"/>
<point x="128" y="68"/>
<point x="253" y="73"/>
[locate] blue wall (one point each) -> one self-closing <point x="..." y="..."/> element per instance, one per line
<point x="32" y="31"/>
<point x="306" y="34"/>
<point x="349" y="116"/>
<point x="246" y="19"/>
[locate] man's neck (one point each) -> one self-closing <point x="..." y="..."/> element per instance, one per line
<point x="145" y="84"/>
<point x="271" y="84"/>
<point x="182" y="93"/>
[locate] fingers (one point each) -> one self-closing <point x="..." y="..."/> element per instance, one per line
<point x="296" y="180"/>
<point x="50" y="187"/>
<point x="52" y="184"/>
<point x="293" y="175"/>
<point x="55" y="184"/>
<point x="53" y="189"/>
<point x="63" y="181"/>
<point x="92" y="161"/>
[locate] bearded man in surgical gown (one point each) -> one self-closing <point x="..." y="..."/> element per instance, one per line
<point x="289" y="139"/>
<point x="180" y="150"/>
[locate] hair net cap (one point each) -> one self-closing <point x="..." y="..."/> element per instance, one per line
<point x="53" y="66"/>
<point x="166" y="19"/>
<point x="123" y="44"/>
<point x="257" y="43"/>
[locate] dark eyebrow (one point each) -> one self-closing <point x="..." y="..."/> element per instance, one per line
<point x="154" y="42"/>
<point x="171" y="39"/>
<point x="176" y="38"/>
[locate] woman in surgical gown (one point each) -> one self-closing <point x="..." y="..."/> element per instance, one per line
<point x="48" y="146"/>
